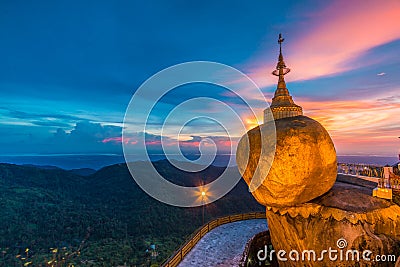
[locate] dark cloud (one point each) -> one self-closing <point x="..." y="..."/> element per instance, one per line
<point x="390" y="99"/>
<point x="86" y="137"/>
<point x="50" y="123"/>
<point x="28" y="116"/>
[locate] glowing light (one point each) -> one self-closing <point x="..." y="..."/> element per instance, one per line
<point x="251" y="122"/>
<point x="203" y="193"/>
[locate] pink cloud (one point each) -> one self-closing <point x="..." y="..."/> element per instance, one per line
<point x="189" y="144"/>
<point x="112" y="139"/>
<point x="119" y="140"/>
<point x="340" y="33"/>
<point x="154" y="142"/>
<point x="226" y="143"/>
<point x="359" y="126"/>
<point x="223" y="143"/>
<point x="220" y="141"/>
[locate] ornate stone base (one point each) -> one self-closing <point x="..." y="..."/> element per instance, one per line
<point x="345" y="219"/>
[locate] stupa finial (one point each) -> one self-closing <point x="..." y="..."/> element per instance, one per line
<point x="280" y="71"/>
<point x="280" y="41"/>
<point x="282" y="105"/>
<point x="281" y="68"/>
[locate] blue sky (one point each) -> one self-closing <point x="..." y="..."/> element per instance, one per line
<point x="69" y="68"/>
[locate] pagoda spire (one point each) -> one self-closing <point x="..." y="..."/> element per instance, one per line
<point x="282" y="105"/>
<point x="280" y="71"/>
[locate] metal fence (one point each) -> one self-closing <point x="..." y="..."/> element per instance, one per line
<point x="361" y="169"/>
<point x="179" y="254"/>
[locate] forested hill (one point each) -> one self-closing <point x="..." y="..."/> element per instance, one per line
<point x="103" y="219"/>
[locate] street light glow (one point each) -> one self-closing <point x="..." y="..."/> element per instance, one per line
<point x="203" y="193"/>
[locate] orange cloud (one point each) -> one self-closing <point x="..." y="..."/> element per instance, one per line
<point x="359" y="126"/>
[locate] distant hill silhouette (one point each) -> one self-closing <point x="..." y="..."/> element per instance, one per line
<point x="79" y="171"/>
<point x="45" y="167"/>
<point x="83" y="171"/>
<point x="43" y="208"/>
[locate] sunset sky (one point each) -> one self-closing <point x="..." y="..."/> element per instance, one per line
<point x="69" y="69"/>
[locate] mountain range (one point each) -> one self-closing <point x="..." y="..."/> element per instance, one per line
<point x="99" y="218"/>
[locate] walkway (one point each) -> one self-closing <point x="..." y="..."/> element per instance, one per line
<point x="224" y="245"/>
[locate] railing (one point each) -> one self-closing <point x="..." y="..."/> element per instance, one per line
<point x="361" y="170"/>
<point x="179" y="254"/>
<point x="374" y="171"/>
<point x="251" y="247"/>
<point x="394" y="182"/>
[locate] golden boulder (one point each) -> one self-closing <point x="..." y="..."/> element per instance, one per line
<point x="302" y="168"/>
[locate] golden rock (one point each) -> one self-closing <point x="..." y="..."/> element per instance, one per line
<point x="304" y="165"/>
